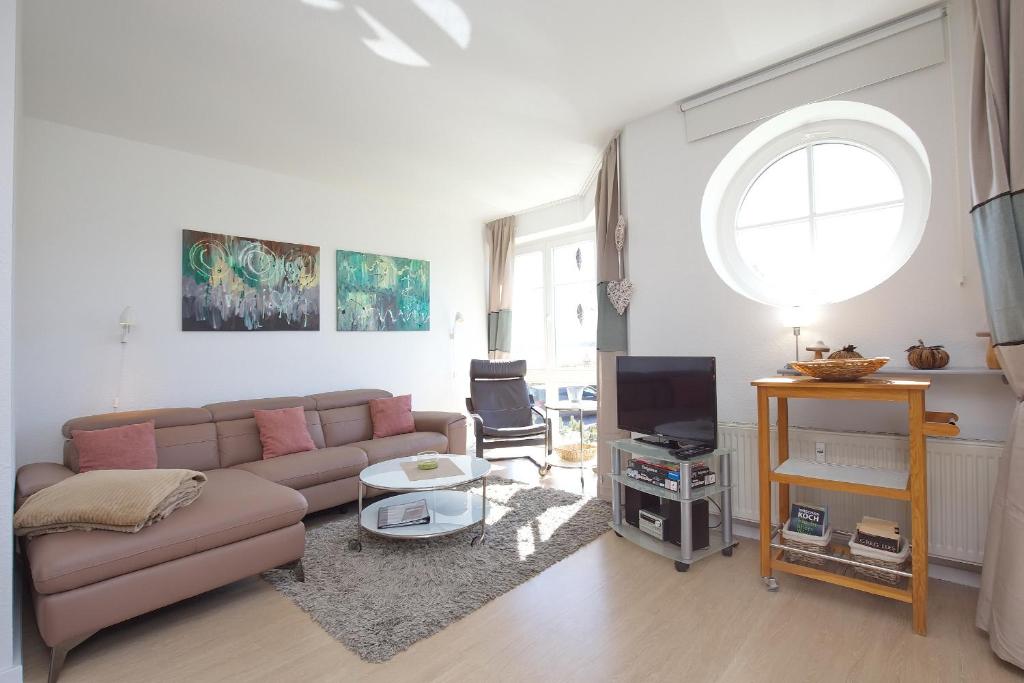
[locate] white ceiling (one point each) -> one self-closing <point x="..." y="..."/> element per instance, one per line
<point x="515" y="119"/>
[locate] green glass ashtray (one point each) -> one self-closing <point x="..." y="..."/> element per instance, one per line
<point x="427" y="460"/>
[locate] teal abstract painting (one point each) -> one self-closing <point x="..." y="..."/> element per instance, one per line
<point x="382" y="293"/>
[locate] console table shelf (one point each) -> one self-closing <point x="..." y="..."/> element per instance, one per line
<point x="870" y="481"/>
<point x="909" y="485"/>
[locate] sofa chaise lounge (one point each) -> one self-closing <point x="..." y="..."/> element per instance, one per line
<point x="247" y="520"/>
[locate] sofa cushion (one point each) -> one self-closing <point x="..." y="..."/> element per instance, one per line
<point x="128" y="447"/>
<point x="402" y="445"/>
<point x="161" y="417"/>
<point x="302" y="470"/>
<point x="185" y="437"/>
<point x="239" y="410"/>
<point x="283" y="431"/>
<point x="346" y="425"/>
<point x="181" y="447"/>
<point x="346" y="398"/>
<point x="392" y="416"/>
<point x="234" y="505"/>
<point x="515" y="432"/>
<point x="239" y="440"/>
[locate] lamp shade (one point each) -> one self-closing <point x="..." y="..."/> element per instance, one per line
<point x="797" y="316"/>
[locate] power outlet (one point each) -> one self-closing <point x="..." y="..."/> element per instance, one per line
<point x="819" y="452"/>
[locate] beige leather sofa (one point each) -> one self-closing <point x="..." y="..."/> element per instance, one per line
<point x="248" y="518"/>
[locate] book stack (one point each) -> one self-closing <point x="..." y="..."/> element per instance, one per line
<point x="701" y="475"/>
<point x="808" y="519"/>
<point x="666" y="475"/>
<point x="661" y="474"/>
<point x="880" y="534"/>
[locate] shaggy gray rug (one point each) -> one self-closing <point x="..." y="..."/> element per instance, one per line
<point x="380" y="601"/>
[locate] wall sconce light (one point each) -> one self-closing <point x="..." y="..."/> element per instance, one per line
<point x="459" y="319"/>
<point x="127" y="322"/>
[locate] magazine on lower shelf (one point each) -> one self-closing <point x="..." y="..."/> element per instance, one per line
<point x="403" y="514"/>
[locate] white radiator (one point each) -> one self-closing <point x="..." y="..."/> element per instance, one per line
<point x="961" y="478"/>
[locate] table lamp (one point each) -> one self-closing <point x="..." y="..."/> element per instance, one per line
<point x="796" y="317"/>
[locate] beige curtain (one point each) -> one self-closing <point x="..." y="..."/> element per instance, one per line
<point x="501" y="237"/>
<point x="997" y="175"/>
<point x="611" y="327"/>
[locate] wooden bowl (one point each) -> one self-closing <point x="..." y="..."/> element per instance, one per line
<point x="839" y="369"/>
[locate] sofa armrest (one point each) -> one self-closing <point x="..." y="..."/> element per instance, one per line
<point x="37" y="476"/>
<point x="452" y="425"/>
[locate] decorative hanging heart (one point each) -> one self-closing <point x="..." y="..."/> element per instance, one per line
<point x="620" y="233"/>
<point x="619" y="293"/>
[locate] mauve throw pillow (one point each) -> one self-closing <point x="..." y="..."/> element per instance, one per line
<point x="392" y="416"/>
<point x="131" y="447"/>
<point x="283" y="431"/>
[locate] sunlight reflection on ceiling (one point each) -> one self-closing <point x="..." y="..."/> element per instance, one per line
<point x="387" y="45"/>
<point x="329" y="5"/>
<point x="447" y="15"/>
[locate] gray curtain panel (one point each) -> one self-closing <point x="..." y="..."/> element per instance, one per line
<point x="997" y="178"/>
<point x="611" y="327"/>
<point x="501" y="236"/>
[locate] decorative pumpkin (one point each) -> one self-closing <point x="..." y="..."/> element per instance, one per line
<point x="848" y="351"/>
<point x="927" y="357"/>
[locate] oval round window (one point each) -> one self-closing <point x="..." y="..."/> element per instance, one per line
<point x="817" y="205"/>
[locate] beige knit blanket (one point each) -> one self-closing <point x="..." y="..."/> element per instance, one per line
<point x="114" y="500"/>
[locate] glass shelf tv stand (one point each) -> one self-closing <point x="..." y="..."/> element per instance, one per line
<point x="720" y="536"/>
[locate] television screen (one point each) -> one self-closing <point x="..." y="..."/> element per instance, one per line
<point x="673" y="397"/>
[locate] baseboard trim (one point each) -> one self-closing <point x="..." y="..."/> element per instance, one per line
<point x="12" y="675"/>
<point x="937" y="568"/>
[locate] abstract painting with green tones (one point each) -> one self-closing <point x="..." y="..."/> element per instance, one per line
<point x="245" y="284"/>
<point x="382" y="293"/>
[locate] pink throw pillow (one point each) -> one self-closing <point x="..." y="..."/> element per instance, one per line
<point x="392" y="416"/>
<point x="283" y="431"/>
<point x="131" y="447"/>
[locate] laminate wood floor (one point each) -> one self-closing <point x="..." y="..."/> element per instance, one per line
<point x="610" y="612"/>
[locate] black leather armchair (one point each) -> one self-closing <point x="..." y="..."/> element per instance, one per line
<point x="502" y="410"/>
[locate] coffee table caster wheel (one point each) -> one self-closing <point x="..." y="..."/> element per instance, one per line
<point x="544" y="470"/>
<point x="682" y="567"/>
<point x="727" y="551"/>
<point x="770" y="583"/>
<point x="477" y="540"/>
<point x="355" y="546"/>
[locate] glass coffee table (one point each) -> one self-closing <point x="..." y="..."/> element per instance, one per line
<point x="577" y="410"/>
<point x="450" y="511"/>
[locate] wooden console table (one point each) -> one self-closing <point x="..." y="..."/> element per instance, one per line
<point x="910" y="485"/>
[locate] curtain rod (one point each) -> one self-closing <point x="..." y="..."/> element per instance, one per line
<point x="818" y="54"/>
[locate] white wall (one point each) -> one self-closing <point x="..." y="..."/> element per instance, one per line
<point x="99" y="228"/>
<point x="680" y="305"/>
<point x="10" y="669"/>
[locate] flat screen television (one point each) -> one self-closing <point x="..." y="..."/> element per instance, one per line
<point x="673" y="398"/>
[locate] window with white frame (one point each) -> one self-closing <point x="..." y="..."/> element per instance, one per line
<point x="817" y="205"/>
<point x="554" y="313"/>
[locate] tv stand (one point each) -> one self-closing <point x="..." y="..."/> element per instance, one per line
<point x="720" y="536"/>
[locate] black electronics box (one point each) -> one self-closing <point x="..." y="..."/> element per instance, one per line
<point x="669" y="509"/>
